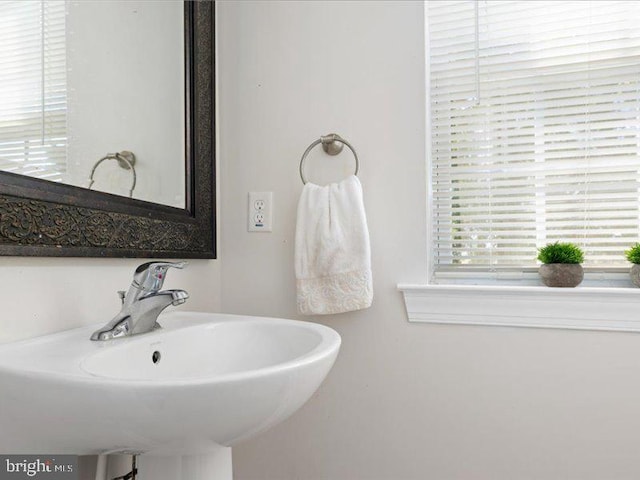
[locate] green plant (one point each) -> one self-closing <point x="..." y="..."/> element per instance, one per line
<point x="560" y="253"/>
<point x="633" y="254"/>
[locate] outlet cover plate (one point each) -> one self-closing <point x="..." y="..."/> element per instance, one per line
<point x="260" y="212"/>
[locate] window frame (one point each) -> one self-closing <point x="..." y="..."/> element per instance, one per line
<point x="605" y="301"/>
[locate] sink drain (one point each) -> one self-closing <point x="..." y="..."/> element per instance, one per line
<point x="155" y="356"/>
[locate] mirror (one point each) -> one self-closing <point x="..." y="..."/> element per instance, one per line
<point x="163" y="113"/>
<point x="75" y="89"/>
<point x="133" y="82"/>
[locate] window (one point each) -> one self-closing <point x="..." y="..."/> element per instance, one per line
<point x="535" y="128"/>
<point x="33" y="88"/>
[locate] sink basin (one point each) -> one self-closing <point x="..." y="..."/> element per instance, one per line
<point x="202" y="382"/>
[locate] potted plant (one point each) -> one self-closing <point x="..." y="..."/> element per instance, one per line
<point x="561" y="264"/>
<point x="633" y="255"/>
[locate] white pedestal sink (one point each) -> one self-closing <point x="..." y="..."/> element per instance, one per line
<point x="198" y="385"/>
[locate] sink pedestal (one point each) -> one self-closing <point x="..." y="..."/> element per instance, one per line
<point x="214" y="466"/>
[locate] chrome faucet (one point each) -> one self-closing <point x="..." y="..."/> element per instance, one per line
<point x="144" y="301"/>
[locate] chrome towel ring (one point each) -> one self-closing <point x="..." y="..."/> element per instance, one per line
<point x="125" y="159"/>
<point x="332" y="144"/>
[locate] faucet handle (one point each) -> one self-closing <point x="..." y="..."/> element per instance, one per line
<point x="150" y="276"/>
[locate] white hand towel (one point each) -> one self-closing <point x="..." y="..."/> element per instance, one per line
<point x="332" y="252"/>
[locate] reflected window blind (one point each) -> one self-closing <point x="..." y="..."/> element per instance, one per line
<point x="535" y="127"/>
<point x="33" y="94"/>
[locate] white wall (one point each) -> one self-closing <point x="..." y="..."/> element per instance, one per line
<point x="404" y="401"/>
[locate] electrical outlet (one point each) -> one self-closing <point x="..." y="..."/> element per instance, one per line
<point x="260" y="213"/>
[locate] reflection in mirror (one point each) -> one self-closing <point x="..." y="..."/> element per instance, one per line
<point x="86" y="81"/>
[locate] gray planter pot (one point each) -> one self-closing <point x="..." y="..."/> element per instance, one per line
<point x="634" y="273"/>
<point x="561" y="274"/>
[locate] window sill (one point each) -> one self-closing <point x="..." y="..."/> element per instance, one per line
<point x="580" y="308"/>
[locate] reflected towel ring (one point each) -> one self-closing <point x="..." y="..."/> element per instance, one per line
<point x="331" y="146"/>
<point x="125" y="160"/>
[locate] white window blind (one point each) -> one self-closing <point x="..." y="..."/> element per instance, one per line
<point x="33" y="88"/>
<point x="535" y="127"/>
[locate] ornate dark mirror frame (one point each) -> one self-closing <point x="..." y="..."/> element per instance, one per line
<point x="41" y="218"/>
